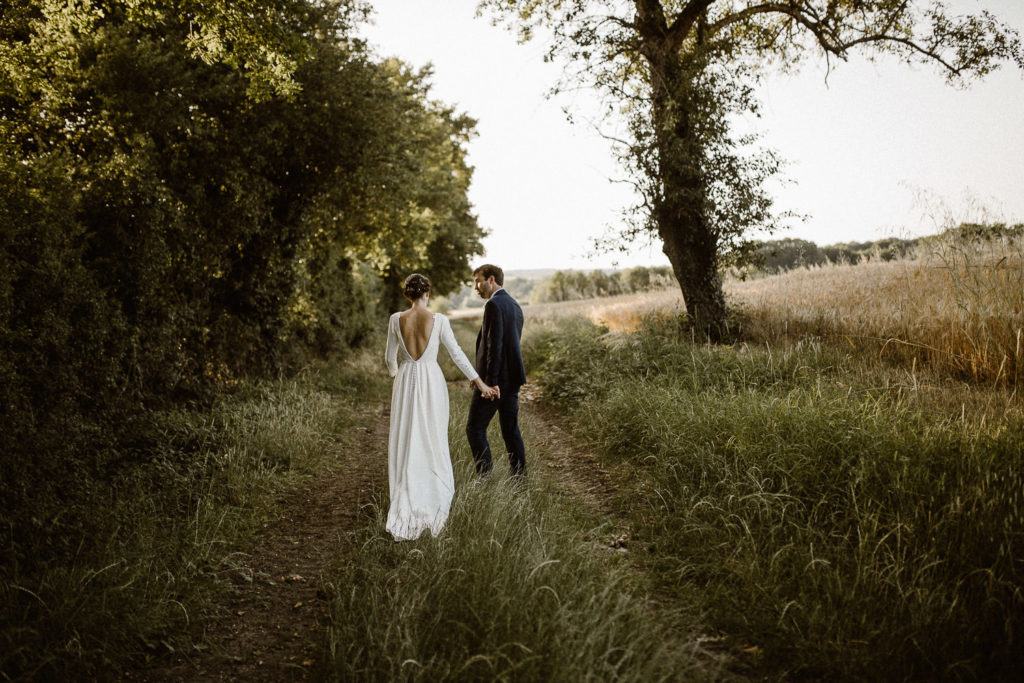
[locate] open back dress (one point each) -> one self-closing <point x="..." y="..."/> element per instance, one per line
<point x="420" y="478"/>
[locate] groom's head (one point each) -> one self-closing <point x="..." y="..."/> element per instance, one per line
<point x="487" y="279"/>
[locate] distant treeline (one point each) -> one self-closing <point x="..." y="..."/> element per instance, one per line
<point x="166" y="229"/>
<point x="766" y="257"/>
<point x="520" y="287"/>
<point x="786" y="254"/>
<point x="571" y="285"/>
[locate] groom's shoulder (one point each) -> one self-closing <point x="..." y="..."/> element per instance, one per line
<point x="503" y="298"/>
<point x="510" y="300"/>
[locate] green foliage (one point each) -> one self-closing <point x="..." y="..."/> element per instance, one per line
<point x="568" y="357"/>
<point x="513" y="588"/>
<point x="821" y="511"/>
<point x="417" y="202"/>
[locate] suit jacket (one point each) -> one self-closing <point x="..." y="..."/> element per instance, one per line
<point x="499" y="359"/>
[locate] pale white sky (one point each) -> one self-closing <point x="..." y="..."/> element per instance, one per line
<point x="856" y="147"/>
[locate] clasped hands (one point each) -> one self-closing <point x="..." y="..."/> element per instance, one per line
<point x="490" y="393"/>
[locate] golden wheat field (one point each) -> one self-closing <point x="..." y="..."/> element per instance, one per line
<point x="956" y="305"/>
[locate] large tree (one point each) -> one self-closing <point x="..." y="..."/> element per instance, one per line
<point x="679" y="68"/>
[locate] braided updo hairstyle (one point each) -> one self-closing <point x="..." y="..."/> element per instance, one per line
<point x="415" y="286"/>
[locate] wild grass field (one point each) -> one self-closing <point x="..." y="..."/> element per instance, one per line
<point x="842" y="489"/>
<point x="519" y="586"/>
<point x="838" y="518"/>
<point x="157" y="542"/>
<point x="956" y="303"/>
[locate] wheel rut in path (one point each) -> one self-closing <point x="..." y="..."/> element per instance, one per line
<point x="575" y="468"/>
<point x="271" y="625"/>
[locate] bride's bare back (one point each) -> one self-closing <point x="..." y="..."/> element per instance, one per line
<point x="416" y="325"/>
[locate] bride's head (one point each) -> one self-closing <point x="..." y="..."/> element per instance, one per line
<point x="416" y="286"/>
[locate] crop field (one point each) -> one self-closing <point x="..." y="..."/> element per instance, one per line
<point x="956" y="305"/>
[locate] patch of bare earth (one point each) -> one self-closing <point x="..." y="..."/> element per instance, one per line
<point x="271" y="626"/>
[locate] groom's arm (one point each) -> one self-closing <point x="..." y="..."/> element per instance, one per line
<point x="493" y="341"/>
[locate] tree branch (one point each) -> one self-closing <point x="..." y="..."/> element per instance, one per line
<point x="828" y="38"/>
<point x="650" y="18"/>
<point x="685" y="20"/>
<point x="618" y="20"/>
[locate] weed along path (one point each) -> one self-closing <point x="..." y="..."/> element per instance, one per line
<point x="270" y="626"/>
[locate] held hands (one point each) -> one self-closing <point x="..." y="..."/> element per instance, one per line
<point x="490" y="393"/>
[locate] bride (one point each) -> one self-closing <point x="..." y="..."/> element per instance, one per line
<point x="420" y="476"/>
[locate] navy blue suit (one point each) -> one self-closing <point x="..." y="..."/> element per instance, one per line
<point x="499" y="361"/>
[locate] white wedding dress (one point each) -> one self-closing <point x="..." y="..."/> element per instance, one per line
<point x="420" y="477"/>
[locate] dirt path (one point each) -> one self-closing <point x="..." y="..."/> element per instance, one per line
<point x="576" y="469"/>
<point x="271" y="626"/>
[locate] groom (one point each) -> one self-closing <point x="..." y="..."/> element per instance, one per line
<point x="500" y="364"/>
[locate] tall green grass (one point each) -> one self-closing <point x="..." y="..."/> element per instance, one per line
<point x="825" y="511"/>
<point x="163" y="527"/>
<point x="514" y="588"/>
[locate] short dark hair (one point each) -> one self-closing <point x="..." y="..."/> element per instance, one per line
<point x="487" y="270"/>
<point x="415" y="286"/>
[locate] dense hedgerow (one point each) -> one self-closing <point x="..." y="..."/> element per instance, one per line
<point x="164" y="234"/>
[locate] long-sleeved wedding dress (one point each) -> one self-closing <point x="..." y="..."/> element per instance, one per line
<point x="420" y="477"/>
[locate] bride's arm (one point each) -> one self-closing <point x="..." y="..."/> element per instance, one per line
<point x="391" y="352"/>
<point x="455" y="351"/>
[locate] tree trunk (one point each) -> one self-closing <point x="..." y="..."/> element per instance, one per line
<point x="695" y="266"/>
<point x="688" y="238"/>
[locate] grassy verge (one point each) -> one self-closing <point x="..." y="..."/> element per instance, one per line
<point x="843" y="518"/>
<point x="164" y="527"/>
<point x="515" y="587"/>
